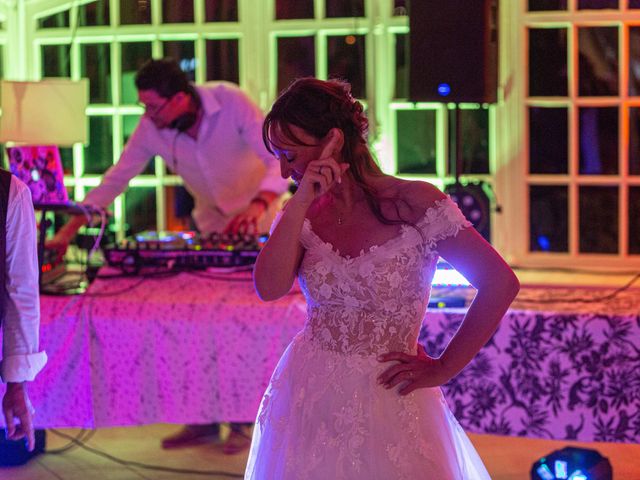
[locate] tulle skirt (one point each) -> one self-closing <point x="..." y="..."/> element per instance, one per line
<point x="324" y="416"/>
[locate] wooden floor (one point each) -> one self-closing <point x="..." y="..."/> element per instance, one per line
<point x="506" y="458"/>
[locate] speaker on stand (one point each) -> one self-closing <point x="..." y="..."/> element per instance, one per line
<point x="454" y="59"/>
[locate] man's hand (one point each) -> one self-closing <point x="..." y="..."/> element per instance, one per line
<point x="16" y="405"/>
<point x="247" y="220"/>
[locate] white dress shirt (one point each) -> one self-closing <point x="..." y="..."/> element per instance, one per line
<point x="223" y="168"/>
<point x="21" y="360"/>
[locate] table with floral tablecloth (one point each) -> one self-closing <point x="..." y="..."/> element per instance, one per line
<point x="200" y="347"/>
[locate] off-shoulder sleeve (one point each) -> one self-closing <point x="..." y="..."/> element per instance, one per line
<point x="444" y="219"/>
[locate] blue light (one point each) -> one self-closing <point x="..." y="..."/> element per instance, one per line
<point x="561" y="469"/>
<point x="444" y="89"/>
<point x="544" y="243"/>
<point x="545" y="473"/>
<point x="578" y="475"/>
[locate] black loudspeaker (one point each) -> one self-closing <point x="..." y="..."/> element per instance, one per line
<point x="453" y="50"/>
<point x="475" y="204"/>
<point x="14" y="453"/>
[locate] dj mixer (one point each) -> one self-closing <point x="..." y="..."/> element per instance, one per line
<point x="183" y="251"/>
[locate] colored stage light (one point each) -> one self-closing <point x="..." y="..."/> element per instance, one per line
<point x="572" y="463"/>
<point x="447" y="276"/>
<point x="444" y="89"/>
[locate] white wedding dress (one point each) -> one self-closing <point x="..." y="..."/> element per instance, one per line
<point x="324" y="416"/>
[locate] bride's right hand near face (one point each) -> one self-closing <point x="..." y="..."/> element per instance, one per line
<point x="321" y="174"/>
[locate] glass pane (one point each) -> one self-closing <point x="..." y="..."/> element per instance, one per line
<point x="296" y="58"/>
<point x="179" y="206"/>
<point x="346" y="60"/>
<point x="402" y="66"/>
<point x="129" y="124"/>
<point x="598" y="219"/>
<point x="57" y="20"/>
<point x="416" y="134"/>
<point x="634" y="220"/>
<point x="222" y="60"/>
<point x="597" y="4"/>
<point x="98" y="154"/>
<point x="55" y="61"/>
<point x="221" y="10"/>
<point x="598" y="140"/>
<point x="95" y="66"/>
<point x="634" y="140"/>
<point x="598" y="60"/>
<point x="547" y="5"/>
<point x="177" y="12"/>
<point x="286" y="9"/>
<point x="94" y="14"/>
<point x="140" y="209"/>
<point x="345" y="8"/>
<point x="548" y="62"/>
<point x="135" y="13"/>
<point x="634" y="61"/>
<point x="66" y="156"/>
<point x="548" y="218"/>
<point x="475" y="141"/>
<point x="133" y="56"/>
<point x="548" y="140"/>
<point x="400" y="8"/>
<point x="184" y="53"/>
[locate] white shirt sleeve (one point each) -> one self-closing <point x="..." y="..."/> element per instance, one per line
<point x="21" y="360"/>
<point x="135" y="156"/>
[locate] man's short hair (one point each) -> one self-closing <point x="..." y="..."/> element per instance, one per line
<point x="165" y="77"/>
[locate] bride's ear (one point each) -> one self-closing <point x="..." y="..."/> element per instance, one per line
<point x="335" y="141"/>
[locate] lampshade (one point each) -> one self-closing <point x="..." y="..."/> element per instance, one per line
<point x="51" y="111"/>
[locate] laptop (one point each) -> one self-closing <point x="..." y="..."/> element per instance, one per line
<point x="40" y="168"/>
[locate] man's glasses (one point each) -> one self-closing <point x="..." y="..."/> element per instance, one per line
<point x="154" y="109"/>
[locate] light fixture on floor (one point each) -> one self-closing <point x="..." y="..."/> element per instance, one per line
<point x="572" y="463"/>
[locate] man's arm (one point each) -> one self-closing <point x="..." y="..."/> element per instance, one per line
<point x="135" y="156"/>
<point x="21" y="360"/>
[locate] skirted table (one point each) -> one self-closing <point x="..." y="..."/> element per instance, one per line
<point x="200" y="347"/>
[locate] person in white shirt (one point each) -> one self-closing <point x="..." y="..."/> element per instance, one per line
<point x="21" y="360"/>
<point x="210" y="135"/>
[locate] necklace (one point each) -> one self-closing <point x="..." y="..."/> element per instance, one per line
<point x="339" y="219"/>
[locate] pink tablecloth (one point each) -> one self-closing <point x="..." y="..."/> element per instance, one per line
<point x="181" y="349"/>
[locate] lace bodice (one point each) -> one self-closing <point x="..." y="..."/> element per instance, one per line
<point x="375" y="302"/>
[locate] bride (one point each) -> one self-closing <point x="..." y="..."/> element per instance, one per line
<point x="354" y="396"/>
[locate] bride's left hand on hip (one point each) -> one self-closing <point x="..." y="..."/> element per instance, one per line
<point x="415" y="371"/>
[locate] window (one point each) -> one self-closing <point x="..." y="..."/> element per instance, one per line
<point x="581" y="116"/>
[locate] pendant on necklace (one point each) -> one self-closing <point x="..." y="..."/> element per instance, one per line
<point x="339" y="220"/>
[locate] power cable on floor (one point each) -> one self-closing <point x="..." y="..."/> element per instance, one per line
<point x="129" y="463"/>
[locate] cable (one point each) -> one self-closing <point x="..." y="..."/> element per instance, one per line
<point x="604" y="298"/>
<point x="84" y="436"/>
<point x="128" y="463"/>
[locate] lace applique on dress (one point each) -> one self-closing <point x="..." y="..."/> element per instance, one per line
<point x="324" y="415"/>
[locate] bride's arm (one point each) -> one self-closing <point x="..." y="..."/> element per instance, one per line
<point x="496" y="285"/>
<point x="277" y="264"/>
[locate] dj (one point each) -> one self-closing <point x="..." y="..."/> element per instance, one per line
<point x="211" y="136"/>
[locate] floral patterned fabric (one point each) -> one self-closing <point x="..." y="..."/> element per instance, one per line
<point x="324" y="415"/>
<point x="549" y="375"/>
